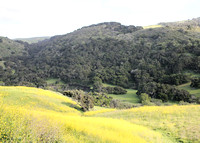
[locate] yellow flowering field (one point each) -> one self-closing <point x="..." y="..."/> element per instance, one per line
<point x="36" y="115"/>
<point x="180" y="123"/>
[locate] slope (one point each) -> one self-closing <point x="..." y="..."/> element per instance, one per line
<point x="113" y="53"/>
<point x="36" y="115"/>
<point x="10" y="48"/>
<point x="180" y="123"/>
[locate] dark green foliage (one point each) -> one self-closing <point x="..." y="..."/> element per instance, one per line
<point x="86" y="101"/>
<point x="97" y="84"/>
<point x="195" y="83"/>
<point x="127" y="56"/>
<point x="164" y="92"/>
<point x="100" y="99"/>
<point x="145" y="99"/>
<point x="175" y="79"/>
<point x="157" y="102"/>
<point x="114" y="90"/>
<point x="115" y="103"/>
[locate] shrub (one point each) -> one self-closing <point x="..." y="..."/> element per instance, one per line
<point x="145" y="99"/>
<point x="115" y="103"/>
<point x="183" y="103"/>
<point x="100" y="99"/>
<point x="157" y="102"/>
<point x="195" y="83"/>
<point x="115" y="90"/>
<point x="86" y="101"/>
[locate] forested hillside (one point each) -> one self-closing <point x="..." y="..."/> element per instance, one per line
<point x="10" y="48"/>
<point x="150" y="60"/>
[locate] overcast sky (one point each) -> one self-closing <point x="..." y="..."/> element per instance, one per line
<point x="33" y="18"/>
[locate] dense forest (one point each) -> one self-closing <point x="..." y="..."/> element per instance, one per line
<point x="152" y="60"/>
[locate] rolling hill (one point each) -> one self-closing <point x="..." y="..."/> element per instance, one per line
<point x="36" y="115"/>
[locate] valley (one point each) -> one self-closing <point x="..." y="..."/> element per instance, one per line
<point x="103" y="83"/>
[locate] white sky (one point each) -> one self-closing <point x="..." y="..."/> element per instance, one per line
<point x="34" y="18"/>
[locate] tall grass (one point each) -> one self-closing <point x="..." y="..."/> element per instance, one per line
<point x="36" y="115"/>
<point x="181" y="123"/>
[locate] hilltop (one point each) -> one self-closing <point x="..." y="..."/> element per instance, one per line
<point x="127" y="56"/>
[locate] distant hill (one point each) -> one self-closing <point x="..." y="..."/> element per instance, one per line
<point x="191" y="24"/>
<point x="33" y="39"/>
<point x="11" y="48"/>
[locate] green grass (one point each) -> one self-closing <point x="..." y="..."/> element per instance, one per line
<point x="108" y="85"/>
<point x="193" y="91"/>
<point x="192" y="74"/>
<point x="54" y="80"/>
<point x="129" y="97"/>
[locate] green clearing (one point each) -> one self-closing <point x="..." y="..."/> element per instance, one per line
<point x="54" y="81"/>
<point x="191" y="74"/>
<point x="129" y="97"/>
<point x="193" y="91"/>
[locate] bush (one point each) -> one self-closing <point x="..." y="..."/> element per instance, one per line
<point x="164" y="92"/>
<point x="115" y="90"/>
<point x="100" y="99"/>
<point x="86" y="101"/>
<point x="157" y="102"/>
<point x="183" y="103"/>
<point x="195" y="83"/>
<point x="115" y="103"/>
<point x="145" y="99"/>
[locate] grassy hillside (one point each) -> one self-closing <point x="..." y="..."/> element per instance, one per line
<point x="129" y="97"/>
<point x="36" y="115"/>
<point x="180" y="123"/>
<point x="10" y="48"/>
<point x="193" y="91"/>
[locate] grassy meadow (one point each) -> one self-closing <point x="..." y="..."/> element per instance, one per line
<point x="129" y="97"/>
<point x="191" y="90"/>
<point x="36" y="115"/>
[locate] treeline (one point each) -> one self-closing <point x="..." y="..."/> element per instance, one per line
<point x="195" y="83"/>
<point x="164" y="92"/>
<point x="130" y="57"/>
<point x="88" y="100"/>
